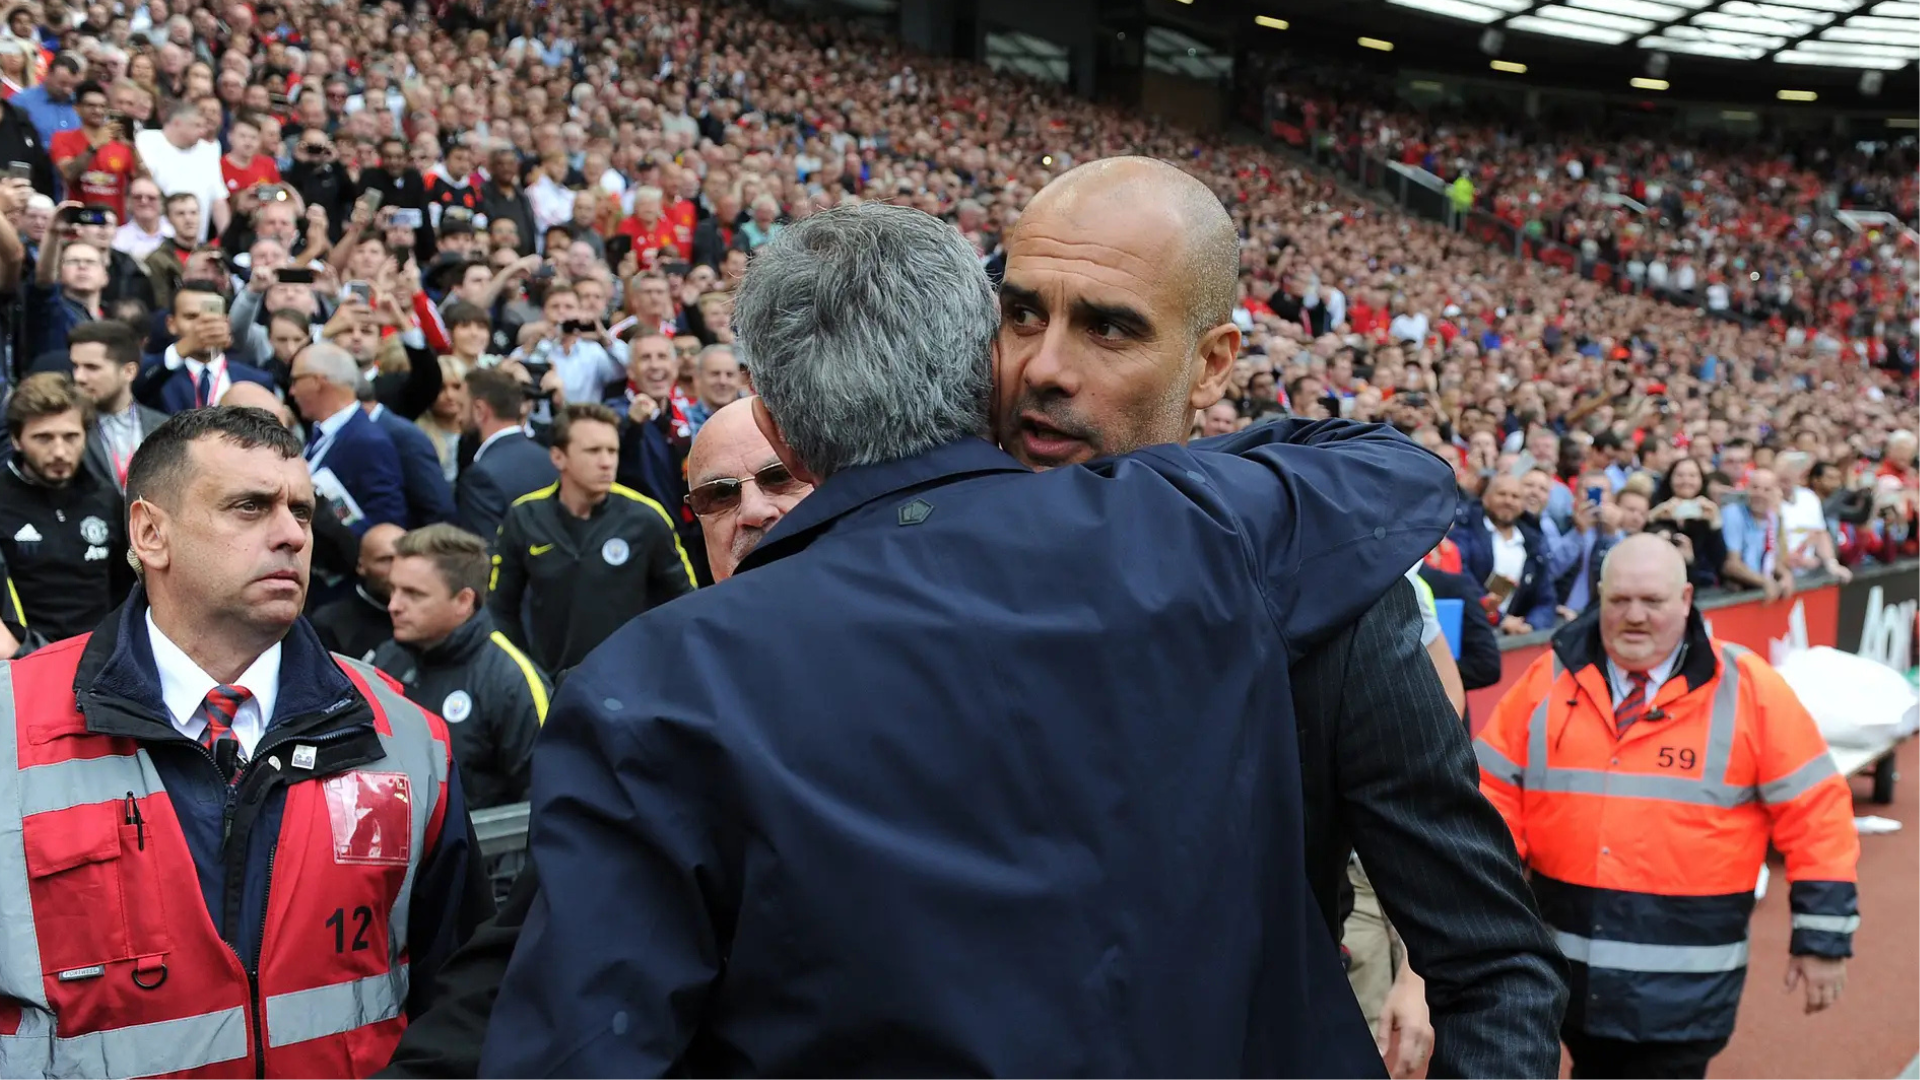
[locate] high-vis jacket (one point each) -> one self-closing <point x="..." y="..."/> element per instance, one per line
<point x="1646" y="847"/>
<point x="155" y="920"/>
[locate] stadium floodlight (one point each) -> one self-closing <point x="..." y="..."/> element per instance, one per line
<point x="1270" y="22"/>
<point x="1376" y="44"/>
<point x="1797" y="95"/>
<point x="1511" y="67"/>
<point x="1647" y="84"/>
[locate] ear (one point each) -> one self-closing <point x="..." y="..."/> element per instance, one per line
<point x="472" y="598"/>
<point x="1215" y="354"/>
<point x="558" y="457"/>
<point x="146" y="534"/>
<point x="770" y="428"/>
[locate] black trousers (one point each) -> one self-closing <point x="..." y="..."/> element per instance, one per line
<point x="1617" y="1059"/>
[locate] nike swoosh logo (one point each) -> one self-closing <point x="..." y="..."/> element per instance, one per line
<point x="539" y="549"/>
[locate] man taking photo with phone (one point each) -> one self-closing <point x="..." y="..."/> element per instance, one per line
<point x="67" y="284"/>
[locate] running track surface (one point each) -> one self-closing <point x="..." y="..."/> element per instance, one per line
<point x="1875" y="1029"/>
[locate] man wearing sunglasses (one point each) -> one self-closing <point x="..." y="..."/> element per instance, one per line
<point x="740" y="487"/>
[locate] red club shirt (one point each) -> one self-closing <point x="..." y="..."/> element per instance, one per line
<point x="261" y="170"/>
<point x="105" y="181"/>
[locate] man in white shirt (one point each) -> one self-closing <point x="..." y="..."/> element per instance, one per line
<point x="146" y="228"/>
<point x="179" y="161"/>
<point x="1803" y="520"/>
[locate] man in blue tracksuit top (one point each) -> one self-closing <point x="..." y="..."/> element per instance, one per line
<point x="978" y="770"/>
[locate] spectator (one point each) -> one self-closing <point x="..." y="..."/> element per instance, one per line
<point x="1501" y="548"/>
<point x="585" y="360"/>
<point x="167" y="265"/>
<point x="50" y="105"/>
<point x="94" y="158"/>
<point x="429" y="495"/>
<point x="244" y="167"/>
<point x="1808" y="546"/>
<point x="17" y="57"/>
<point x="1220" y="418"/>
<point x="320" y="181"/>
<point x="715" y="236"/>
<point x="146" y="227"/>
<point x="719" y="384"/>
<point x="181" y="162"/>
<point x="453" y="184"/>
<point x="358" y="624"/>
<point x="583" y="556"/>
<point x="106" y="358"/>
<point x="126" y="278"/>
<point x="764" y="225"/>
<point x="506" y="463"/>
<point x="502" y="198"/>
<point x="353" y="461"/>
<point x="66" y="290"/>
<point x="195" y="370"/>
<point x="62" y="530"/>
<point x="449" y="658"/>
<point x="446" y="421"/>
<point x="1756" y="540"/>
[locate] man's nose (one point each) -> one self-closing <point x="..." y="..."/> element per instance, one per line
<point x="1051" y="366"/>
<point x="756" y="509"/>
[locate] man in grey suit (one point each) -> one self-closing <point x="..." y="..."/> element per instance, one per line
<point x="1119" y="279"/>
<point x="106" y="357"/>
<point x="507" y="464"/>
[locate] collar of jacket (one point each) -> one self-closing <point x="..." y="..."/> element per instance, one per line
<point x="1577" y="644"/>
<point x="117" y="668"/>
<point x="851" y="489"/>
<point x="459" y="646"/>
<point x="80" y="483"/>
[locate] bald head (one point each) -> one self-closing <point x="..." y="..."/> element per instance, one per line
<point x="376" y="558"/>
<point x="1645" y="599"/>
<point x="252" y="395"/>
<point x="1644" y="553"/>
<point x="1197" y="230"/>
<point x="730" y="446"/>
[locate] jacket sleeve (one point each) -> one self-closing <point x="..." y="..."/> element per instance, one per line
<point x="1442" y="863"/>
<point x="1325" y="500"/>
<point x="1811" y="808"/>
<point x="480" y="504"/>
<point x="445" y="1040"/>
<point x="426" y="483"/>
<point x="1563" y="547"/>
<point x="524" y="693"/>
<point x="1501" y="748"/>
<point x="623" y="1003"/>
<point x="382" y="495"/>
<point x="507" y="585"/>
<point x="451" y="896"/>
<point x="411" y="393"/>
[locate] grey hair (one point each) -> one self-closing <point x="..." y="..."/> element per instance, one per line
<point x="869" y="331"/>
<point x="334" y="364"/>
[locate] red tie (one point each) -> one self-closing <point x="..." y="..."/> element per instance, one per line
<point x="1633" y="706"/>
<point x="218" y="710"/>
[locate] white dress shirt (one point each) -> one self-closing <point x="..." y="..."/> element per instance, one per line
<point x="1619" y="680"/>
<point x="183" y="686"/>
<point x="1509" y="559"/>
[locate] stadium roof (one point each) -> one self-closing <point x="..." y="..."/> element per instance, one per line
<point x="1861" y="34"/>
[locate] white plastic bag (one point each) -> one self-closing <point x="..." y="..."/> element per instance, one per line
<point x="1855" y="701"/>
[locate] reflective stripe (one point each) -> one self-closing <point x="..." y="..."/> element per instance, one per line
<point x="1710" y="789"/>
<point x="672" y="530"/>
<point x="330" y="1010"/>
<point x="1725" y="720"/>
<point x="1497" y="764"/>
<point x="1799" y="781"/>
<point x="1664" y="959"/>
<point x="80" y="781"/>
<point x="14" y="595"/>
<point x="1536" y="771"/>
<point x="534" y="685"/>
<point x="164" y="1046"/>
<point x="20" y="975"/>
<point x="1643" y="786"/>
<point x="1831" y="924"/>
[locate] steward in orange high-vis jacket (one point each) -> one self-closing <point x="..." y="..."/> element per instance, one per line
<point x="1643" y="768"/>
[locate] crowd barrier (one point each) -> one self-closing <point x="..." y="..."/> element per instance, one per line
<point x="1873" y="615"/>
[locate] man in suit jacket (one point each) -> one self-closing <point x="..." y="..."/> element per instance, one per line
<point x="429" y="498"/>
<point x="1498" y="535"/>
<point x="196" y="369"/>
<point x="106" y="358"/>
<point x="1011" y="885"/>
<point x="506" y="464"/>
<point x="354" y="463"/>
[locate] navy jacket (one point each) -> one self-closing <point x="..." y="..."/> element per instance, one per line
<point x="429" y="499"/>
<point x="366" y="462"/>
<point x="507" y="470"/>
<point x="173" y="391"/>
<point x="1534" y="599"/>
<point x="118" y="688"/>
<point x="1012" y="788"/>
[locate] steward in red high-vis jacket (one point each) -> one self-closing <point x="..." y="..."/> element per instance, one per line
<point x="251" y="878"/>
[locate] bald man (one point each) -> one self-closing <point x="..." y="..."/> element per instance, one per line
<point x="737" y="486"/>
<point x="1115" y="328"/>
<point x="1644" y="768"/>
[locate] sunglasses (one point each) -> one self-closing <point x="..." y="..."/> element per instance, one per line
<point x="723" y="495"/>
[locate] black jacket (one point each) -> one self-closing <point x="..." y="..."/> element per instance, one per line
<point x="506" y="470"/>
<point x="410" y="392"/>
<point x="1479" y="659"/>
<point x="496" y="204"/>
<point x="20" y="142"/>
<point x="325" y="185"/>
<point x="127" y="279"/>
<point x="492" y="698"/>
<point x="1388" y="770"/>
<point x="581" y="580"/>
<point x="66" y="548"/>
<point x="355" y="625"/>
